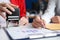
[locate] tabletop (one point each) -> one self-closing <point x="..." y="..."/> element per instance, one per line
<point x="3" y="36"/>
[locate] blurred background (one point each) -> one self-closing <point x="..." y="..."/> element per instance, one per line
<point x="36" y="5"/>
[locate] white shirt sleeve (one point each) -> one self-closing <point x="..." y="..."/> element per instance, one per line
<point x="6" y="1"/>
<point x="2" y="21"/>
<point x="49" y="13"/>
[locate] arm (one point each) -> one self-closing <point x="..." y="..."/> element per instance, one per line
<point x="5" y="1"/>
<point x="21" y="4"/>
<point x="22" y="7"/>
<point x="49" y="13"/>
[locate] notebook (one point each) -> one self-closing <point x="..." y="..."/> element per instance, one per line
<point x="29" y="33"/>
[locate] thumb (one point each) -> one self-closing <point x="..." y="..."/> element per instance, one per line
<point x="38" y="17"/>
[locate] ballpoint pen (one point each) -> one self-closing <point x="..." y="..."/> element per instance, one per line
<point x="40" y="15"/>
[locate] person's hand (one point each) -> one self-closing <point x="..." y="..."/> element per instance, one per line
<point x="37" y="22"/>
<point x="4" y="6"/>
<point x="56" y="19"/>
<point x="23" y="21"/>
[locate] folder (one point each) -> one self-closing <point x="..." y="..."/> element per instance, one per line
<point x="17" y="33"/>
<point x="53" y="26"/>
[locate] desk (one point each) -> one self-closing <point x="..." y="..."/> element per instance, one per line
<point x="3" y="36"/>
<point x="54" y="38"/>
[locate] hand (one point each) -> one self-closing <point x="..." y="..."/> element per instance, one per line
<point x="23" y="21"/>
<point x="37" y="22"/>
<point x="4" y="6"/>
<point x="56" y="19"/>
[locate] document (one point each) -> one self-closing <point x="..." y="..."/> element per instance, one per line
<point x="29" y="32"/>
<point x="20" y="33"/>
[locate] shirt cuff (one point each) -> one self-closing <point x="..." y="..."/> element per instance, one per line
<point x="46" y="19"/>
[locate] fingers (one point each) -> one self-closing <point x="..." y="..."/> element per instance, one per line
<point x="4" y="6"/>
<point x="36" y="25"/>
<point x="23" y="21"/>
<point x="56" y="19"/>
<point x="44" y="24"/>
<point x="6" y="10"/>
<point x="40" y="21"/>
<point x="15" y="6"/>
<point x="10" y="7"/>
<point x="37" y="22"/>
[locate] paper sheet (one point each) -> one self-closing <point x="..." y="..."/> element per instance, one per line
<point x="28" y="30"/>
<point x="18" y="33"/>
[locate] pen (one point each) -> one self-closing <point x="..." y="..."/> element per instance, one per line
<point x="40" y="15"/>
